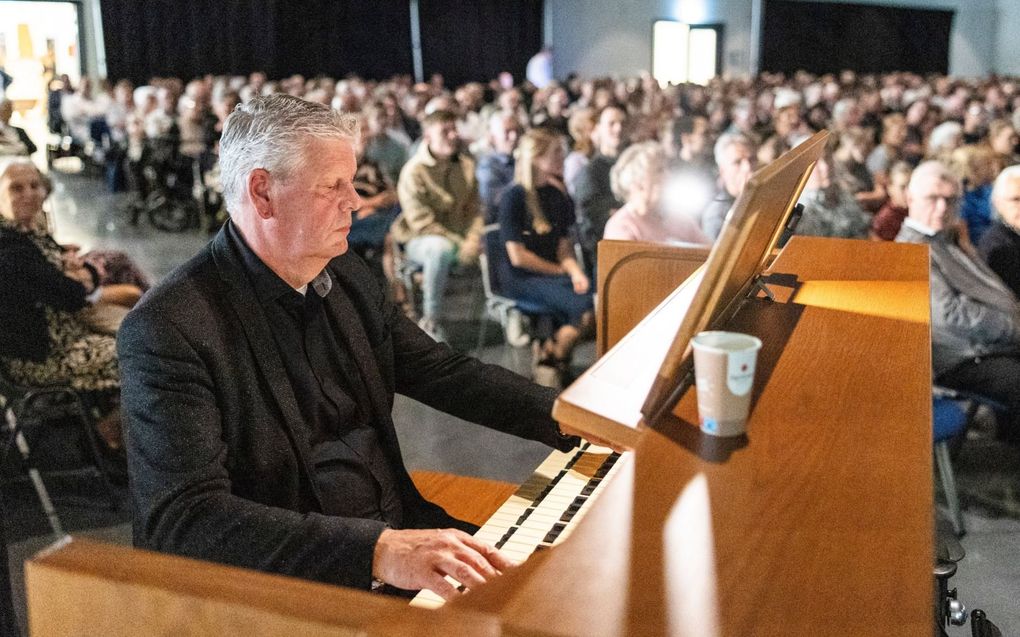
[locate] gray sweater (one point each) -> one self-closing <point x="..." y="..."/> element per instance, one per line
<point x="973" y="313"/>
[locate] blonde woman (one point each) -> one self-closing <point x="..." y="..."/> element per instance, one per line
<point x="581" y="124"/>
<point x="637" y="179"/>
<point x="535" y="217"/>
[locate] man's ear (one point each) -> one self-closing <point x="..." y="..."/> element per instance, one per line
<point x="258" y="192"/>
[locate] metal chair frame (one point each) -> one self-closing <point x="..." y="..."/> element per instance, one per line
<point x="19" y="401"/>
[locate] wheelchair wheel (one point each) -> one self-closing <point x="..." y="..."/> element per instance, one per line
<point x="170" y="215"/>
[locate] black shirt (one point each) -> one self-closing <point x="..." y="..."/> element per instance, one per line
<point x="352" y="474"/>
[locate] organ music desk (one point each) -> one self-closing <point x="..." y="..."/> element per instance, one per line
<point x="819" y="522"/>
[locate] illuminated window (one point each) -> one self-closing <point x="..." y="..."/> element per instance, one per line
<point x="684" y="53"/>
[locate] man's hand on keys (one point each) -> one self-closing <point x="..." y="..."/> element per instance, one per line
<point x="414" y="559"/>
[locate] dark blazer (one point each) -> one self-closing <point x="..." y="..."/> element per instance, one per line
<point x="219" y="467"/>
<point x="28" y="285"/>
<point x="1000" y="248"/>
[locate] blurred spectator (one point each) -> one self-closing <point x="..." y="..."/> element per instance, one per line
<point x="1000" y="245"/>
<point x="735" y="158"/>
<point x="581" y="124"/>
<point x="829" y="211"/>
<point x="14" y="141"/>
<point x="977" y="167"/>
<point x="637" y="180"/>
<point x="595" y="200"/>
<point x="496" y="168"/>
<point x="535" y="219"/>
<point x="440" y="221"/>
<point x="887" y="221"/>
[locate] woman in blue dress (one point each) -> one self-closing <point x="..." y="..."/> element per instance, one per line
<point x="536" y="217"/>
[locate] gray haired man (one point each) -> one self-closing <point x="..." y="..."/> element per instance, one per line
<point x="975" y="319"/>
<point x="258" y="381"/>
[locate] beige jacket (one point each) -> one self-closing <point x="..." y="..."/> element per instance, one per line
<point x="438" y="197"/>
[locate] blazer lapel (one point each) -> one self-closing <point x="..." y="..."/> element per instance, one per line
<point x="241" y="296"/>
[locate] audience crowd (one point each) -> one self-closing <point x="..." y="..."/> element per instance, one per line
<point x="602" y="158"/>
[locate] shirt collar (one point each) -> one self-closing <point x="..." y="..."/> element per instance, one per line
<point x="913" y="224"/>
<point x="268" y="285"/>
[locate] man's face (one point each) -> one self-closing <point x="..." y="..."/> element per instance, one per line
<point x="609" y="130"/>
<point x="933" y="202"/>
<point x="736" y="168"/>
<point x="312" y="209"/>
<point x="442" y="139"/>
<point x="504" y="133"/>
<point x="1007" y="202"/>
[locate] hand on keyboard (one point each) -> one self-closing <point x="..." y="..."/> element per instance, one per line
<point x="422" y="558"/>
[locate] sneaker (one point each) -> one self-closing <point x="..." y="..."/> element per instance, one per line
<point x="433" y="329"/>
<point x="516" y="329"/>
<point x="548" y="376"/>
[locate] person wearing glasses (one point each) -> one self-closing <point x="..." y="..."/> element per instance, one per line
<point x="975" y="318"/>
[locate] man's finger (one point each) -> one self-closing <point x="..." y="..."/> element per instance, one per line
<point x="497" y="560"/>
<point x="461" y="571"/>
<point x="438" y="585"/>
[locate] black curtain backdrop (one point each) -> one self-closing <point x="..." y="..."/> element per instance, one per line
<point x="462" y="39"/>
<point x="189" y="38"/>
<point x="468" y="40"/>
<point x="822" y="37"/>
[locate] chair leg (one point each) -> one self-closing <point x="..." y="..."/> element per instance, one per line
<point x="34" y="475"/>
<point x="483" y="330"/>
<point x="97" y="457"/>
<point x="948" y="479"/>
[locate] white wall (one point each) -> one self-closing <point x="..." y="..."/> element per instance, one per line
<point x="1008" y="44"/>
<point x="602" y="37"/>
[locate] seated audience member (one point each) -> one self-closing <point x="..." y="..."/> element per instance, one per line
<point x="851" y="173"/>
<point x="885" y="225"/>
<point x="14" y="141"/>
<point x="637" y="179"/>
<point x="536" y="216"/>
<point x="890" y="147"/>
<point x="1000" y="245"/>
<point x="735" y="159"/>
<point x="381" y="147"/>
<point x="247" y="447"/>
<point x="495" y="170"/>
<point x="49" y="299"/>
<point x="690" y="139"/>
<point x="595" y="200"/>
<point x="944" y="139"/>
<point x="977" y="167"/>
<point x="581" y="125"/>
<point x="975" y="318"/>
<point x="829" y="211"/>
<point x="553" y="114"/>
<point x="378" y="210"/>
<point x="1003" y="140"/>
<point x="440" y="215"/>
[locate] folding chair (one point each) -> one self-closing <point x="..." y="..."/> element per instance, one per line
<point x="20" y="405"/>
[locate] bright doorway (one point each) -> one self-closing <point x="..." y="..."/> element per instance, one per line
<point x="39" y="42"/>
<point x="685" y="53"/>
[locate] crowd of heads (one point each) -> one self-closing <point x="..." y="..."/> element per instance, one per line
<point x="882" y="125"/>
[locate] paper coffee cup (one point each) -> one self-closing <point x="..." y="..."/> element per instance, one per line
<point x="724" y="364"/>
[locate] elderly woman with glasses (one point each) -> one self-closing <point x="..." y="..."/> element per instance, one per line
<point x="49" y="299"/>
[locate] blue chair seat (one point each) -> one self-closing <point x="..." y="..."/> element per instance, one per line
<point x="949" y="419"/>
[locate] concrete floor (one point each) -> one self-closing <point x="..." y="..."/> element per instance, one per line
<point x="85" y="214"/>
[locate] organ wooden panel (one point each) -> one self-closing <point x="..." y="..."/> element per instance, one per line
<point x="818" y="522"/>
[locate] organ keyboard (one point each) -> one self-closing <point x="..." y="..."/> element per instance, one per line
<point x="546" y="508"/>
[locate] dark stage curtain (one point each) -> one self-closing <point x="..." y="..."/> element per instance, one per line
<point x="475" y="40"/>
<point x="188" y="38"/>
<point x="822" y="37"/>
